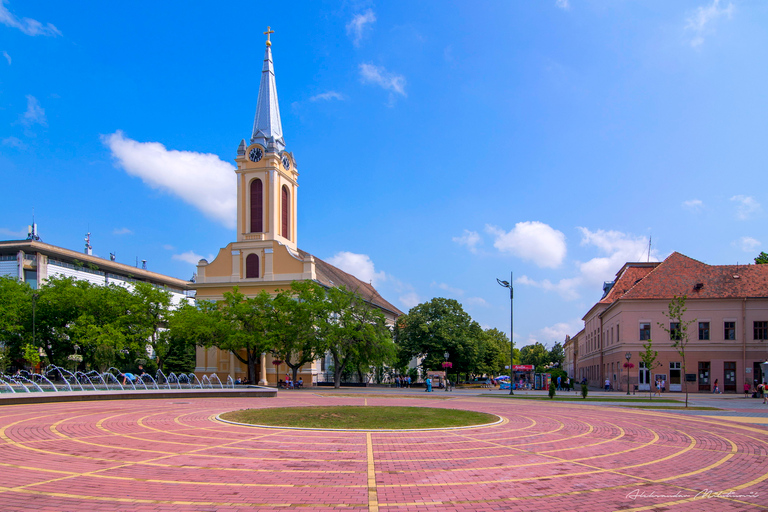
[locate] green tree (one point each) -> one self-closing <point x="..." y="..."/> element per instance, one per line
<point x="354" y="331"/>
<point x="250" y="320"/>
<point x="536" y="355"/>
<point x="15" y="313"/>
<point x="150" y="315"/>
<point x="296" y="337"/>
<point x="435" y="327"/>
<point x="678" y="331"/>
<point x="762" y="258"/>
<point x="557" y="355"/>
<point x="181" y="355"/>
<point x="648" y="357"/>
<point x="494" y="352"/>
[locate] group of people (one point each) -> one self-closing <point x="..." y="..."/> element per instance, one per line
<point x="563" y="384"/>
<point x="661" y="386"/>
<point x="403" y="381"/>
<point x="290" y="384"/>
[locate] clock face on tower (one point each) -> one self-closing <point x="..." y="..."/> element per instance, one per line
<point x="286" y="163"/>
<point x="255" y="154"/>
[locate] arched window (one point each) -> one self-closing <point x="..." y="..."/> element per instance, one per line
<point x="286" y="214"/>
<point x="252" y="266"/>
<point x="257" y="200"/>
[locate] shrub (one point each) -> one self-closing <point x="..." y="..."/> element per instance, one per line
<point x="551" y="391"/>
<point x="584" y="391"/>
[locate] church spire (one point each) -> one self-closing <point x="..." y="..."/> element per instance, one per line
<point x="267" y="128"/>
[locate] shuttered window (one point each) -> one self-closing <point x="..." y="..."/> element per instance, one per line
<point x="252" y="266"/>
<point x="286" y="213"/>
<point x="257" y="206"/>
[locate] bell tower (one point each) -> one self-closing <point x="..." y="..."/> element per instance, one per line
<point x="267" y="177"/>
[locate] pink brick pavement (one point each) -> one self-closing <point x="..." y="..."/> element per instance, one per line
<point x="172" y="454"/>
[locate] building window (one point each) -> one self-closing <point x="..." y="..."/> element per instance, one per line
<point x="617" y="333"/>
<point x="703" y="330"/>
<point x="645" y="331"/>
<point x="251" y="266"/>
<point x="257" y="206"/>
<point x="286" y="213"/>
<point x="761" y="330"/>
<point x="729" y="330"/>
<point x="674" y="331"/>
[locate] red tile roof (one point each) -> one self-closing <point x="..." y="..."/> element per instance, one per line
<point x="681" y="275"/>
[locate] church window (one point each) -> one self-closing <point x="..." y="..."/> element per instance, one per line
<point x="252" y="266"/>
<point x="257" y="206"/>
<point x="286" y="213"/>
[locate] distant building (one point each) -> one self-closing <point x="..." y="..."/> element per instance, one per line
<point x="728" y="340"/>
<point x="265" y="255"/>
<point x="33" y="261"/>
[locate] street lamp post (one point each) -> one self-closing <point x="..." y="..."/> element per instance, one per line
<point x="628" y="355"/>
<point x="508" y="284"/>
<point x="447" y="365"/>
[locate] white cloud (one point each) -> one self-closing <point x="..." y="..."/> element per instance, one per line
<point x="357" y="26"/>
<point x="202" y="180"/>
<point x="7" y="57"/>
<point x="746" y="206"/>
<point x="169" y="247"/>
<point x="469" y="238"/>
<point x="448" y="288"/>
<point x="747" y="243"/>
<point x="533" y="241"/>
<point x="359" y="265"/>
<point x="14" y="235"/>
<point x="35" y="114"/>
<point x="701" y="21"/>
<point x="190" y="257"/>
<point x="27" y="25"/>
<point x="563" y="4"/>
<point x="410" y="300"/>
<point x="122" y="231"/>
<point x="14" y="142"/>
<point x="380" y="76"/>
<point x="477" y="301"/>
<point x="618" y="248"/>
<point x="694" y="205"/>
<point x="326" y="96"/>
<point x="550" y="335"/>
<point x="566" y="288"/>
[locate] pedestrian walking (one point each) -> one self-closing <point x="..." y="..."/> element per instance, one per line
<point x="746" y="390"/>
<point x="607" y="384"/>
<point x="664" y="385"/>
<point x="716" y="388"/>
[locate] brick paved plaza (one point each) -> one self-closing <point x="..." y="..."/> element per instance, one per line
<point x="173" y="454"/>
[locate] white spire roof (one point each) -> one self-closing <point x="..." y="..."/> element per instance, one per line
<point x="267" y="128"/>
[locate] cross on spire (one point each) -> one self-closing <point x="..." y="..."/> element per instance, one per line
<point x="267" y="33"/>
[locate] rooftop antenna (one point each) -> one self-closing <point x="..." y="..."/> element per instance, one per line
<point x="88" y="248"/>
<point x="650" y="238"/>
<point x="144" y="264"/>
<point x="32" y="230"/>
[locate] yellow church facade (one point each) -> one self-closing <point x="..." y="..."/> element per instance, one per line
<point x="265" y="255"/>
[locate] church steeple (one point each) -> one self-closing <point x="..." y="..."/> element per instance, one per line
<point x="267" y="128"/>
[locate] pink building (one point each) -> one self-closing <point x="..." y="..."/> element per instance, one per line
<point x="728" y="338"/>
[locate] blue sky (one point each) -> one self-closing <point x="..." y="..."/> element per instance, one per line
<point x="440" y="144"/>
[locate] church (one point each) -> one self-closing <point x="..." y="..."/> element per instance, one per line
<point x="265" y="255"/>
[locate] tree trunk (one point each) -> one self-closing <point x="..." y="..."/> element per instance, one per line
<point x="336" y="371"/>
<point x="252" y="355"/>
